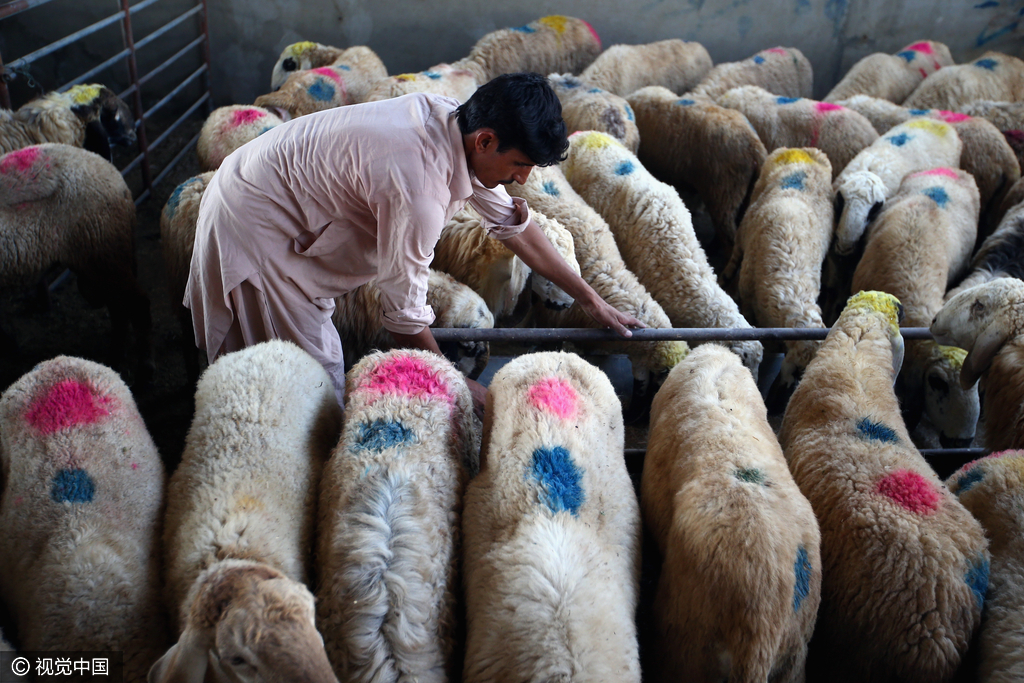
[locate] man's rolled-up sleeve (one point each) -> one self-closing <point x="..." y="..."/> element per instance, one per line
<point x="503" y="216"/>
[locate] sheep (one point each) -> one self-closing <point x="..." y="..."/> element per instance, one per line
<point x="986" y="322"/>
<point x="550" y="295"/>
<point x="601" y="265"/>
<point x="882" y="114"/>
<point x="892" y="77"/>
<point x="694" y="142"/>
<point x="1013" y="197"/>
<point x="1000" y="254"/>
<point x="875" y="174"/>
<point x="991" y="489"/>
<point x="918" y="245"/>
<point x="992" y="76"/>
<point x="781" y="71"/>
<point x="655" y="236"/>
<point x="678" y="65"/>
<point x="239" y="521"/>
<point x="741" y="578"/>
<point x="904" y="565"/>
<point x="89" y="116"/>
<point x="780" y="246"/>
<point x="361" y="65"/>
<point x="228" y="128"/>
<point x="80" y="515"/>
<point x="307" y="92"/>
<point x="553" y="44"/>
<point x="61" y="204"/>
<point x="358" y="314"/>
<point x="1008" y="117"/>
<point x="388" y="521"/>
<point x="442" y="79"/>
<point x="591" y="108"/>
<point x="839" y="132"/>
<point x="551" y="529"/>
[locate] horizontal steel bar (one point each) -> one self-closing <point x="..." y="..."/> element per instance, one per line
<point x="95" y="70"/>
<point x="170" y="60"/>
<point x="163" y="136"/>
<point x="131" y="167"/>
<point x="9" y="9"/>
<point x="169" y="96"/>
<point x="697" y="334"/>
<point x="168" y="26"/>
<point x="926" y="452"/>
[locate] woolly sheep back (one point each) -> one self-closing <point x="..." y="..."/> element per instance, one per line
<point x="992" y="76"/>
<point x="307" y="92"/>
<point x="1001" y="254"/>
<point x="361" y="64"/>
<point x="590" y="108"/>
<point x="449" y="80"/>
<point x="678" y="65"/>
<point x="783" y="71"/>
<point x="228" y="128"/>
<point x="892" y="77"/>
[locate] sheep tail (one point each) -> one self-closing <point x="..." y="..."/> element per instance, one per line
<point x="387" y="633"/>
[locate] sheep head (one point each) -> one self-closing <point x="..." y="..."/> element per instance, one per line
<point x="248" y="623"/>
<point x="859" y="197"/>
<point x="108" y="120"/>
<point x="295" y="57"/>
<point x="950" y="407"/>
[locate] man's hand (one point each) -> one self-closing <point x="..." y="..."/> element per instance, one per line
<point x="479" y="392"/>
<point x="609" y="316"/>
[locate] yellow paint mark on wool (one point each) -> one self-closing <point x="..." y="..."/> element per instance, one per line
<point x="593" y="139"/>
<point x="555" y="22"/>
<point x="882" y="302"/>
<point x="954" y="354"/>
<point x="301" y="48"/>
<point x="248" y="503"/>
<point x="84" y="94"/>
<point x="672" y="353"/>
<point x="794" y="156"/>
<point x="405" y="77"/>
<point x="930" y="126"/>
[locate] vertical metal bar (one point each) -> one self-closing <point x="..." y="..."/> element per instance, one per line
<point x="204" y="28"/>
<point x="140" y="117"/>
<point x="5" y="96"/>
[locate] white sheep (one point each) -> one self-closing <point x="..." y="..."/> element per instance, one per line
<point x="919" y="244"/>
<point x="1000" y="255"/>
<point x="361" y="65"/>
<point x="875" y="174"/>
<point x="388" y="535"/>
<point x="992" y="489"/>
<point x="986" y="321"/>
<point x="228" y="128"/>
<point x="687" y="141"/>
<point x="552" y="44"/>
<point x="992" y="76"/>
<point x="601" y="265"/>
<point x="80" y="515"/>
<point x="1008" y="117"/>
<point x="441" y="79"/>
<point x="64" y="205"/>
<point x="358" y="317"/>
<point x="550" y="295"/>
<point x="839" y="132"/>
<point x="551" y="531"/>
<point x="780" y="247"/>
<point x="781" y="71"/>
<point x="741" y="577"/>
<point x="89" y="116"/>
<point x="307" y="92"/>
<point x="904" y="565"/>
<point x="586" y="107"/>
<point x="678" y="65"/>
<point x="239" y="524"/>
<point x="892" y="77"/>
<point x="655" y="236"/>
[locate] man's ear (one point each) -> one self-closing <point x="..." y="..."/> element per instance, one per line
<point x="486" y="139"/>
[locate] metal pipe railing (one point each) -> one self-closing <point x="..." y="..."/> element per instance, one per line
<point x="696" y="334"/>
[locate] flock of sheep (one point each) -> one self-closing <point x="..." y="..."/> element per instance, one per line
<point x="407" y="542"/>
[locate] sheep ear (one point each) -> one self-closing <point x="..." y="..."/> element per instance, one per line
<point x="980" y="358"/>
<point x="185" y="662"/>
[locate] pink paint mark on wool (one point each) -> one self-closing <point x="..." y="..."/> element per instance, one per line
<point x="924" y="74"/>
<point x="554" y="396"/>
<point x="910" y="491"/>
<point x="921" y="47"/>
<point x="135" y="465"/>
<point x="329" y="73"/>
<point x="828" y="106"/>
<point x="952" y="116"/>
<point x="990" y="456"/>
<point x="20" y="160"/>
<point x="67" y="404"/>
<point x="593" y="33"/>
<point x="776" y="50"/>
<point x="947" y="172"/>
<point x="405" y="376"/>
<point x="244" y="116"/>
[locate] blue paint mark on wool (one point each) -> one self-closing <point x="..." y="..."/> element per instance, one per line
<point x="685" y="102"/>
<point x="794" y="181"/>
<point x="907" y="55"/>
<point x="343" y="67"/>
<point x="977" y="579"/>
<point x="625" y="168"/>
<point x="525" y="29"/>
<point x="175" y="198"/>
<point x="321" y="91"/>
<point x="877" y="431"/>
<point x="970" y="478"/>
<point x="758" y="59"/>
<point x="989" y="64"/>
<point x="264" y="130"/>
<point x="381" y="434"/>
<point x="549" y="188"/>
<point x="629" y="113"/>
<point x="919" y="112"/>
<point x="900" y="139"/>
<point x="786" y="100"/>
<point x="937" y="195"/>
<point x="432" y="74"/>
<point x="559" y="478"/>
<point x="594" y="90"/>
<point x="802" y="569"/>
<point x="72" y="486"/>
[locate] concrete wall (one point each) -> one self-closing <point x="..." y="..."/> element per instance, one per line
<point x="412" y="35"/>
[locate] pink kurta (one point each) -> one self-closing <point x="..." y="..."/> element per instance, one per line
<point x="326" y="202"/>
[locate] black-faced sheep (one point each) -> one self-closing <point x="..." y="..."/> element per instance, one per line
<point x="781" y="71"/>
<point x="839" y="132"/>
<point x="587" y="107"/>
<point x="655" y="236"/>
<point x="80" y="515"/>
<point x="892" y="77"/>
<point x="987" y="322"/>
<point x="904" y="565"/>
<point x="678" y="65"/>
<point x="361" y="65"/>
<point x="228" y="128"/>
<point x="64" y="205"/>
<point x="442" y="79"/>
<point x="693" y="142"/>
<point x="239" y="525"/>
<point x="89" y="116"/>
<point x="741" y="578"/>
<point x="992" y="76"/>
<point x="388" y="536"/>
<point x="551" y="531"/>
<point x="992" y="489"/>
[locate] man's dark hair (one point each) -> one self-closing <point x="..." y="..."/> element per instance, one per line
<point x="524" y="113"/>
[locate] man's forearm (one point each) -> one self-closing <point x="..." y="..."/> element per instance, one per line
<point x="424" y="339"/>
<point x="536" y="251"/>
